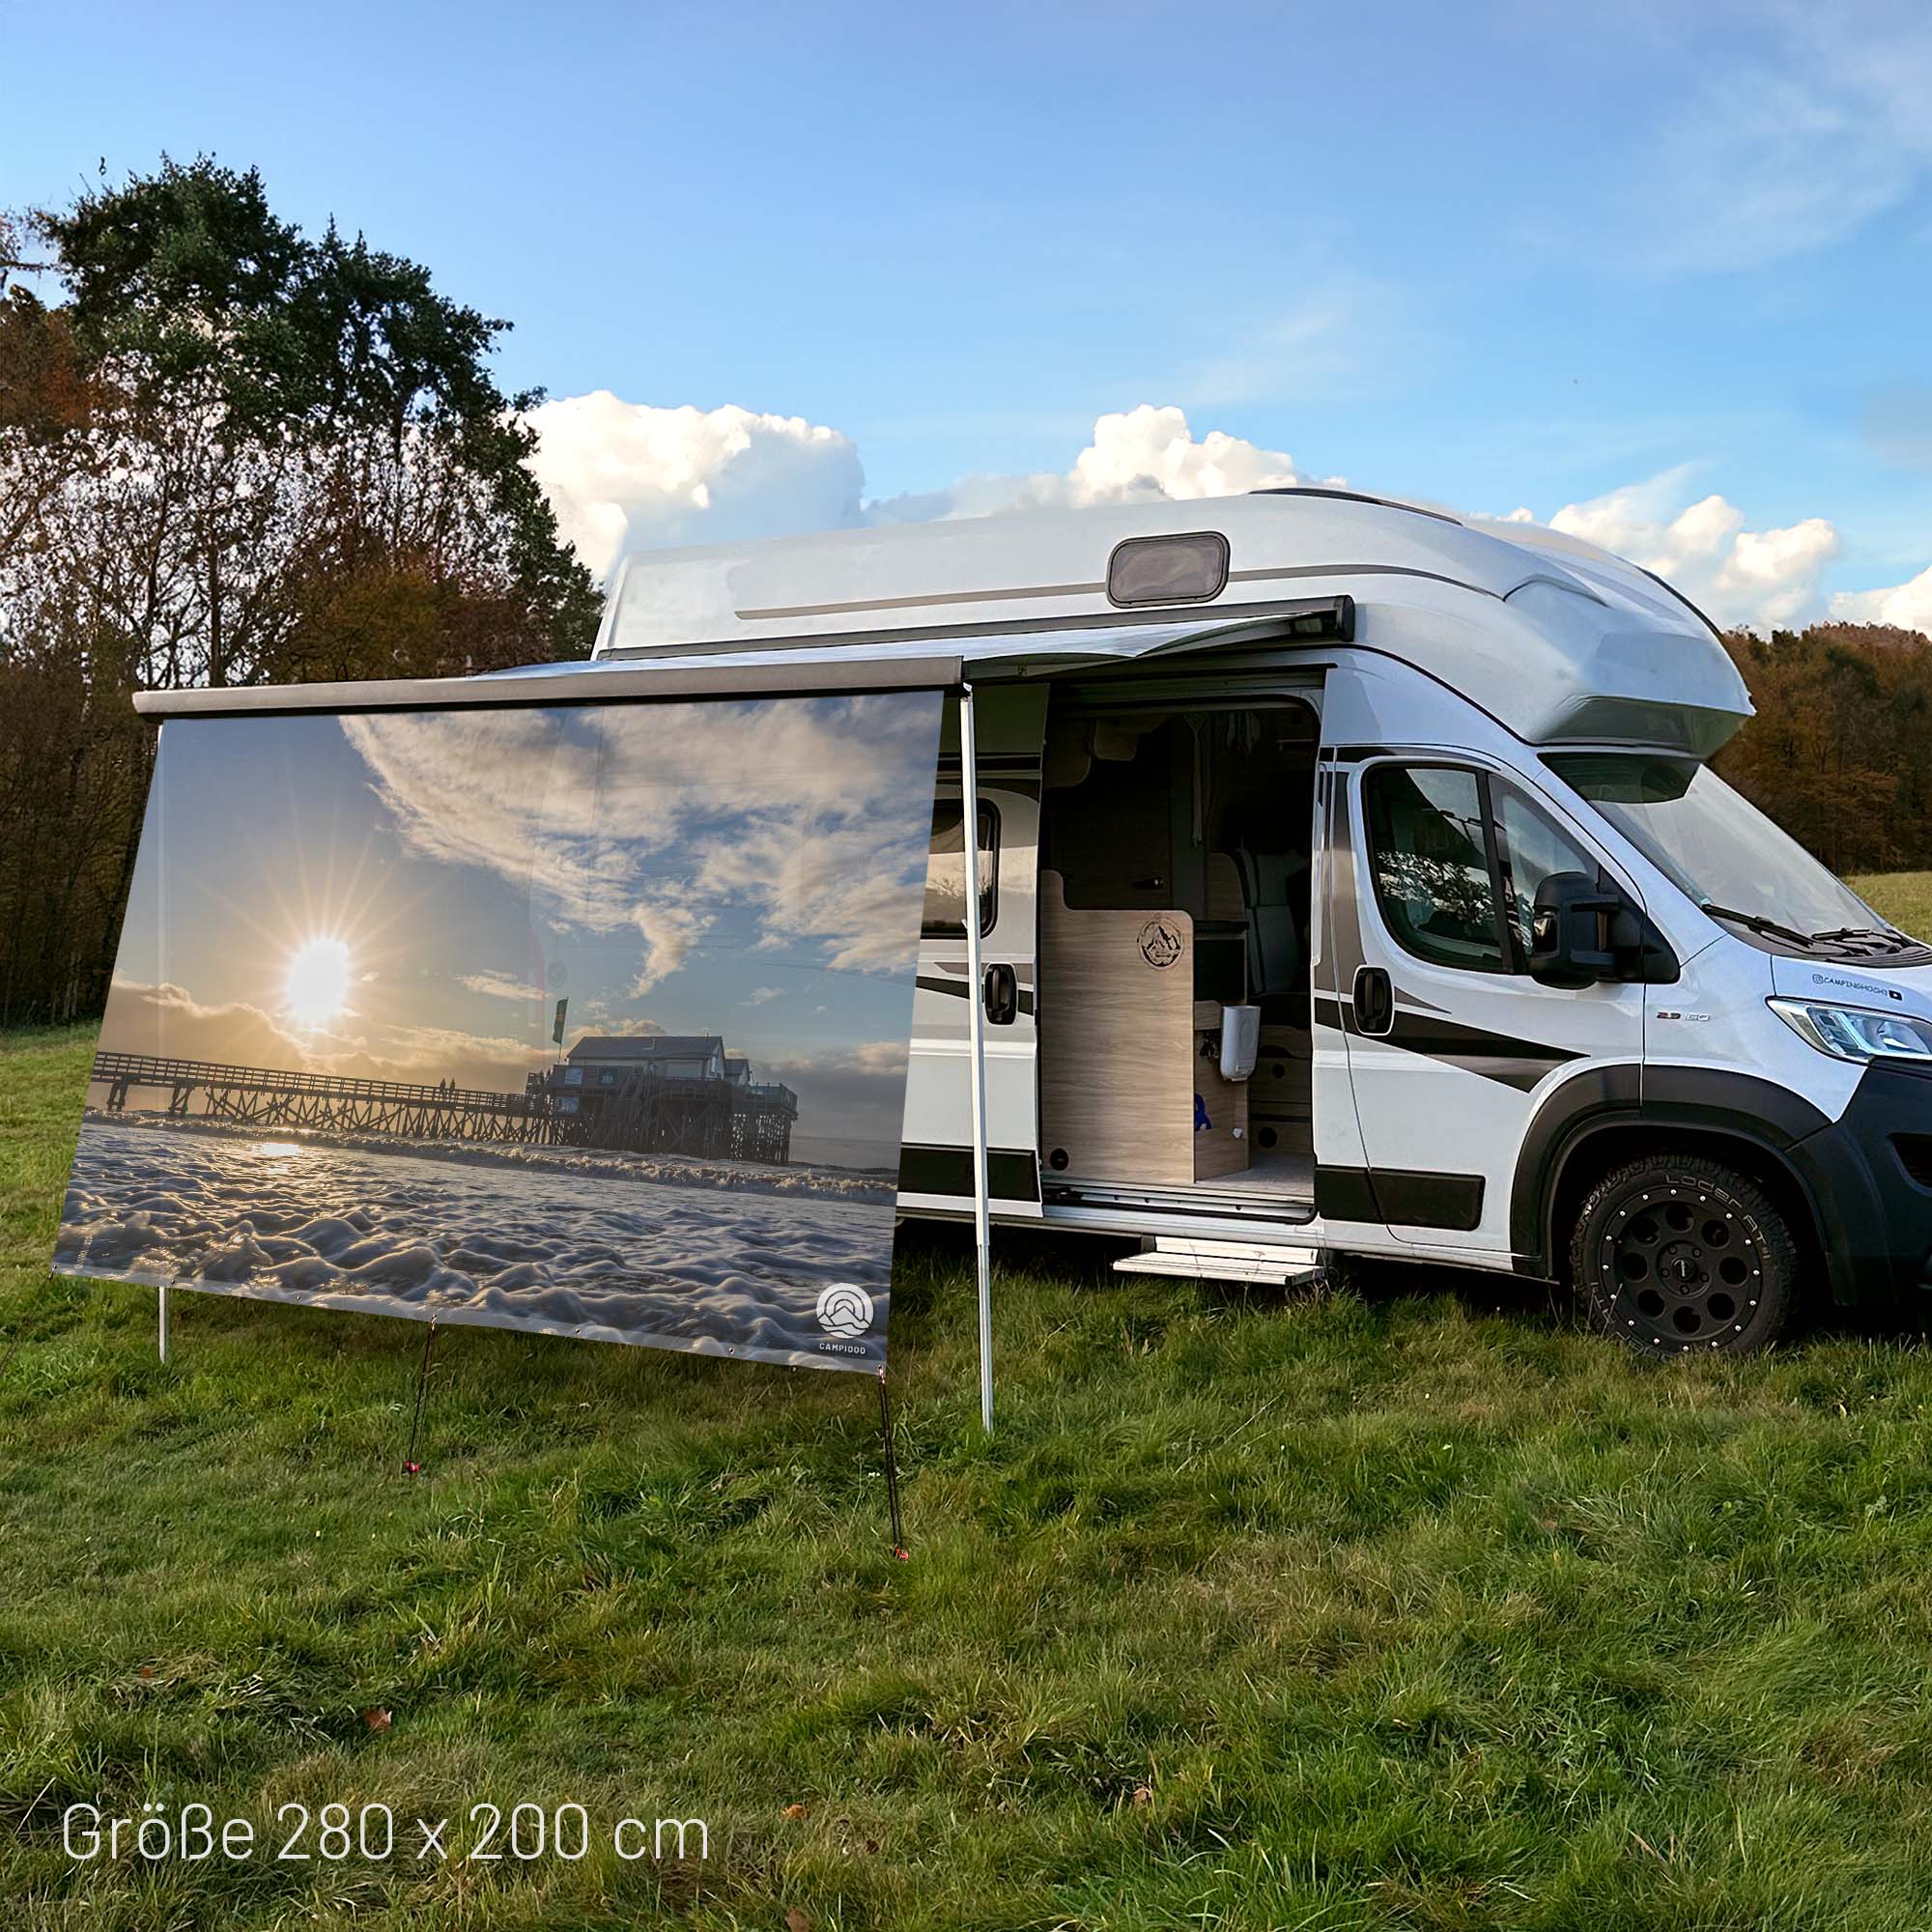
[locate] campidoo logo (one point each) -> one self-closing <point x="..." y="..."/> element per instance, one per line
<point x="845" y="1309"/>
<point x="1160" y="944"/>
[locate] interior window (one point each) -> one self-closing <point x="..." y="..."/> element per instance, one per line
<point x="1430" y="857"/>
<point x="1531" y="847"/>
<point x="945" y="915"/>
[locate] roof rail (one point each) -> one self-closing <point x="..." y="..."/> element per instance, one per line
<point x="1354" y="497"/>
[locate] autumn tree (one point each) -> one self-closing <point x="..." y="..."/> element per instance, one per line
<point x="229" y="454"/>
<point x="1840" y="751"/>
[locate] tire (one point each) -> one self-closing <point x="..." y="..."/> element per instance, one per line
<point x="1679" y="1254"/>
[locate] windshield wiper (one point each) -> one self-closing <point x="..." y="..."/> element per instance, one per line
<point x="1898" y="939"/>
<point x="1757" y="923"/>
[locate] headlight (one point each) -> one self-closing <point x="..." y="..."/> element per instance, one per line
<point x="1851" y="1033"/>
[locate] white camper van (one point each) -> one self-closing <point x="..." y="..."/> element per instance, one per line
<point x="1352" y="882"/>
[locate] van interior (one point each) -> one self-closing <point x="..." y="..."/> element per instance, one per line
<point x="1173" y="891"/>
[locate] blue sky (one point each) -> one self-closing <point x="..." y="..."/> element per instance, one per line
<point x="1492" y="257"/>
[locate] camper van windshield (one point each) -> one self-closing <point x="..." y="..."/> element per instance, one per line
<point x="1715" y="844"/>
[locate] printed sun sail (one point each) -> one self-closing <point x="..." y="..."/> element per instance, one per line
<point x="587" y="1020"/>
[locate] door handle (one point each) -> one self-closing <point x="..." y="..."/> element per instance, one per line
<point x="1375" y="1000"/>
<point x="1001" y="994"/>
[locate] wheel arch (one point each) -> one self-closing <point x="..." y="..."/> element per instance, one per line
<point x="1595" y="1118"/>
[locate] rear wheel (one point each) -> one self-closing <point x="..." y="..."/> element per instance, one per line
<point x="1673" y="1253"/>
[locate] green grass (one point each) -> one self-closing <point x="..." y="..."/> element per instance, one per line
<point x="1903" y="898"/>
<point x="1408" y="1612"/>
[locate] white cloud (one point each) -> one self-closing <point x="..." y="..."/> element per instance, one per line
<point x="495" y="985"/>
<point x="758" y="995"/>
<point x="1791" y="151"/>
<point x="810" y="817"/>
<point x="1742" y="577"/>
<point x="625" y="475"/>
<point x="1908" y="605"/>
<point x="1138" y="455"/>
<point x="670" y="933"/>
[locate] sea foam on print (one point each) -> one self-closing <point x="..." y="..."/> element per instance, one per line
<point x="577" y="1246"/>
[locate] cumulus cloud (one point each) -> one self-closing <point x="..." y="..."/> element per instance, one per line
<point x="626" y="475"/>
<point x="1908" y="605"/>
<point x="167" y="1021"/>
<point x="1138" y="455"/>
<point x="759" y="995"/>
<point x="1744" y="576"/>
<point x="809" y="820"/>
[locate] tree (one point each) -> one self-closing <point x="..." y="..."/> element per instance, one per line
<point x="230" y="456"/>
<point x="1840" y="751"/>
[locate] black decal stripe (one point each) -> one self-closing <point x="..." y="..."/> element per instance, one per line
<point x="1399" y="1197"/>
<point x="1410" y="1199"/>
<point x="1501" y="1057"/>
<point x="1012" y="1173"/>
<point x="1344" y="1194"/>
<point x="956" y="988"/>
<point x="1511" y="1061"/>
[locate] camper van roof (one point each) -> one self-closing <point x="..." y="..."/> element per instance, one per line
<point x="1052" y="568"/>
<point x="1557" y="641"/>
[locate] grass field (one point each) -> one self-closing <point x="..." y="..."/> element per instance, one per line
<point x="1903" y="898"/>
<point x="1411" y="1611"/>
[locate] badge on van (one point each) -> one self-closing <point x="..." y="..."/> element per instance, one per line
<point x="1160" y="944"/>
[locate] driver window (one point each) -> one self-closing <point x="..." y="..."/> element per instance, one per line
<point x="1429" y="858"/>
<point x="1531" y="848"/>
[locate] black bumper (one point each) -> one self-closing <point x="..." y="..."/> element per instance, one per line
<point x="1876" y="1217"/>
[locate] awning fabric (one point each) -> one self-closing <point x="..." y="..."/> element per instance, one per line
<point x="576" y="1002"/>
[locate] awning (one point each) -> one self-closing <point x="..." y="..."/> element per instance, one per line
<point x="577" y="683"/>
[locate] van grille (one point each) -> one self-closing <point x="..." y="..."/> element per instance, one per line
<point x="1914" y="1155"/>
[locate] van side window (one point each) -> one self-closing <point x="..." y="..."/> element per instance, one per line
<point x="1429" y="853"/>
<point x="945" y="915"/>
<point x="1530" y="848"/>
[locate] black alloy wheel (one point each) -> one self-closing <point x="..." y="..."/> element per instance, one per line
<point x="1676" y="1254"/>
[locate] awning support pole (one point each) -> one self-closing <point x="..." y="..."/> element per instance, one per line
<point x="976" y="1030"/>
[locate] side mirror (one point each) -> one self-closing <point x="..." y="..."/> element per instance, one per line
<point x="1570" y="939"/>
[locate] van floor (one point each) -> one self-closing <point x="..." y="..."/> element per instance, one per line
<point x="1291" y="1175"/>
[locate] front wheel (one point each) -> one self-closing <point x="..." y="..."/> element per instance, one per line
<point x="1676" y="1253"/>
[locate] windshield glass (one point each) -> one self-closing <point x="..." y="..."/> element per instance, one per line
<point x="1713" y="841"/>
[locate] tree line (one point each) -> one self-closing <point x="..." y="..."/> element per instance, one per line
<point x="1840" y="751"/>
<point x="232" y="454"/>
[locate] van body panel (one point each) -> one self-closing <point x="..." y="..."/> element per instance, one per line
<point x="1444" y="1078"/>
<point x="1009" y="723"/>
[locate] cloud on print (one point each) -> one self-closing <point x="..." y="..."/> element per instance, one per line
<point x="629" y="476"/>
<point x="774" y="817"/>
